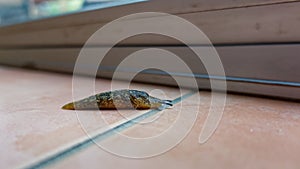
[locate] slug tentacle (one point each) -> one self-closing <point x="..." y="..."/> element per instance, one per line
<point x="119" y="99"/>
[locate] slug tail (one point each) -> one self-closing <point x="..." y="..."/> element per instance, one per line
<point x="69" y="106"/>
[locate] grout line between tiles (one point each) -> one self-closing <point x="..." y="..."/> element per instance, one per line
<point x="84" y="142"/>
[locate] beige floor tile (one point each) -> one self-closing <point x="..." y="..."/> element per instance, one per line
<point x="32" y="122"/>
<point x="253" y="133"/>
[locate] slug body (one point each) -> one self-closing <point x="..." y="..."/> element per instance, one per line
<point x="118" y="99"/>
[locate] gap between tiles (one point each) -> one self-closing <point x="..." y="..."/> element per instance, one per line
<point x="103" y="133"/>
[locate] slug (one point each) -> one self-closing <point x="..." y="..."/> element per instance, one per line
<point x="119" y="99"/>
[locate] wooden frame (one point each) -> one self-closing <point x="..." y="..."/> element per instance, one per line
<point x="244" y="32"/>
<point x="224" y="22"/>
<point x="270" y="70"/>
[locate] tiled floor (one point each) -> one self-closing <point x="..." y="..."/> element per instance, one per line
<point x="253" y="133"/>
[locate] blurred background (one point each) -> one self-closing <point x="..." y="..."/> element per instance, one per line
<point x="17" y="11"/>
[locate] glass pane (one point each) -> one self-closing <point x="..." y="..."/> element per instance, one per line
<point x="17" y="11"/>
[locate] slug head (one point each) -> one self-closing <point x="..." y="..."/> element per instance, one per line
<point x="139" y="99"/>
<point x="142" y="100"/>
